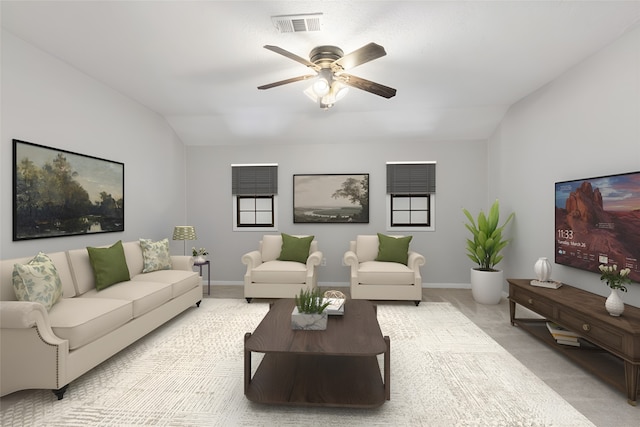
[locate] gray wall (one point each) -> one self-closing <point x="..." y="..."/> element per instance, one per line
<point x="461" y="178"/>
<point x="44" y="101"/>
<point x="584" y="124"/>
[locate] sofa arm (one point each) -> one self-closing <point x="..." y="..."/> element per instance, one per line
<point x="31" y="355"/>
<point x="252" y="259"/>
<point x="25" y="315"/>
<point x="415" y="261"/>
<point x="315" y="258"/>
<point x="182" y="262"/>
<point x="350" y="258"/>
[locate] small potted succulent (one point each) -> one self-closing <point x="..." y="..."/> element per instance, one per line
<point x="199" y="255"/>
<point x="309" y="312"/>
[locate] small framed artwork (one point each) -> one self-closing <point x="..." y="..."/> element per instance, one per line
<point x="331" y="198"/>
<point x="61" y="193"/>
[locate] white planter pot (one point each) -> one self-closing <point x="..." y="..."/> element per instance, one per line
<point x="486" y="286"/>
<point x="308" y="322"/>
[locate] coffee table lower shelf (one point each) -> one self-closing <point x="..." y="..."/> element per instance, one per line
<point x="317" y="380"/>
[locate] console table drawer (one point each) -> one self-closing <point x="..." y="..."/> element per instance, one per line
<point x="593" y="331"/>
<point x="532" y="302"/>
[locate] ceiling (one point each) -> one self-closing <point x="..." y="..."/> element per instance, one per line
<point x="457" y="66"/>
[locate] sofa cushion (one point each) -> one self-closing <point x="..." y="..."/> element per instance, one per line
<point x="145" y="296"/>
<point x="385" y="273"/>
<point x="109" y="265"/>
<point x="393" y="248"/>
<point x="155" y="254"/>
<point x="83" y="320"/>
<point x="295" y="248"/>
<point x="181" y="281"/>
<point x="37" y="281"/>
<point x="366" y="247"/>
<point x="271" y="247"/>
<point x="279" y="272"/>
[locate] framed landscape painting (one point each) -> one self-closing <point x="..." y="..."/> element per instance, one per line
<point x="61" y="193"/>
<point x="331" y="198"/>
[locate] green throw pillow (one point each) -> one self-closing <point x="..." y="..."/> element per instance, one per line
<point x="295" y="248"/>
<point x="109" y="265"/>
<point x="393" y="249"/>
<point x="155" y="255"/>
<point x="37" y="281"/>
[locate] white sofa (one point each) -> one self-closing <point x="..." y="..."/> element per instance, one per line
<point x="267" y="277"/>
<point x="42" y="349"/>
<point x="381" y="280"/>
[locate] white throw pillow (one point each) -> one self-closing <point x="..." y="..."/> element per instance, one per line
<point x="37" y="281"/>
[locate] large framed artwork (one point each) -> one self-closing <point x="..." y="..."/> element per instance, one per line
<point x="61" y="193"/>
<point x="331" y="198"/>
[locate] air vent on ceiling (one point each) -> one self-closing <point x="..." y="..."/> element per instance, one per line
<point x="298" y="23"/>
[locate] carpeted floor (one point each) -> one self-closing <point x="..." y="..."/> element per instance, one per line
<point x="445" y="371"/>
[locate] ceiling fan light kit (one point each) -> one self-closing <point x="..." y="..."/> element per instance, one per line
<point x="331" y="82"/>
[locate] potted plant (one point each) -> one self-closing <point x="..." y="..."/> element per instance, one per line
<point x="309" y="312"/>
<point x="616" y="280"/>
<point x="484" y="249"/>
<point x="199" y="255"/>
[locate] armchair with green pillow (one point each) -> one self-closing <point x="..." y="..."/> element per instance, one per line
<point x="383" y="267"/>
<point x="281" y="266"/>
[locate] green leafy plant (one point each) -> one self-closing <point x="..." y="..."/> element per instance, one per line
<point x="199" y="252"/>
<point x="615" y="279"/>
<point x="310" y="302"/>
<point x="487" y="241"/>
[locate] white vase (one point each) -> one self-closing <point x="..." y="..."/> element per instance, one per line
<point x="542" y="268"/>
<point x="614" y="304"/>
<point x="200" y="259"/>
<point x="486" y="286"/>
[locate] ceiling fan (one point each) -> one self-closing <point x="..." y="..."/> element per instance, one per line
<point x="331" y="82"/>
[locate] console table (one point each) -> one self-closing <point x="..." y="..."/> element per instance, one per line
<point x="615" y="355"/>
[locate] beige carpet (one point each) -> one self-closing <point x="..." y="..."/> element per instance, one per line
<point x="445" y="371"/>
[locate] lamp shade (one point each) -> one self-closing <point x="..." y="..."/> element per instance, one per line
<point x="184" y="232"/>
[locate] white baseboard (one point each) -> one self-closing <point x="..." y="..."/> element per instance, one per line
<point x="346" y="284"/>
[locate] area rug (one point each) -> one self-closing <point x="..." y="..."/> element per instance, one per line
<point x="445" y="371"/>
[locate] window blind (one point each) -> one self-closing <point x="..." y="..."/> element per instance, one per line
<point x="411" y="178"/>
<point x="254" y="180"/>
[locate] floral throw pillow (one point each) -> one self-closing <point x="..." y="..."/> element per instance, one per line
<point x="37" y="281"/>
<point x="156" y="255"/>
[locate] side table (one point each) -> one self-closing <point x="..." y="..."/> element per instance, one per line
<point x="208" y="264"/>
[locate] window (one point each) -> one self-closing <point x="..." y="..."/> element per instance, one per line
<point x="254" y="189"/>
<point x="411" y="191"/>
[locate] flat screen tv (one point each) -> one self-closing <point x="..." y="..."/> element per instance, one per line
<point x="597" y="221"/>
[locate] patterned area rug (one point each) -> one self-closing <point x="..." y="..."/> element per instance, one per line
<point x="445" y="371"/>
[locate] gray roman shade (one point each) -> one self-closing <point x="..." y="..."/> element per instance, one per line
<point x="254" y="180"/>
<point x="411" y="178"/>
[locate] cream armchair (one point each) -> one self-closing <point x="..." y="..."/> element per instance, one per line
<point x="269" y="277"/>
<point x="382" y="280"/>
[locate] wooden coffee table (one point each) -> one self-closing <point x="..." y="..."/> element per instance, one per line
<point x="336" y="367"/>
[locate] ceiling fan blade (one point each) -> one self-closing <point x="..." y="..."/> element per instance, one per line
<point x="284" y="82"/>
<point x="369" y="86"/>
<point x="293" y="56"/>
<point x="360" y="56"/>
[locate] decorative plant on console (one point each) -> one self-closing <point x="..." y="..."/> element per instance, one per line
<point x="199" y="255"/>
<point x="616" y="280"/>
<point x="488" y="241"/>
<point x="309" y="312"/>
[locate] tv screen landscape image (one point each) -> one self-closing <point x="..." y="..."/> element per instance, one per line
<point x="597" y="221"/>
